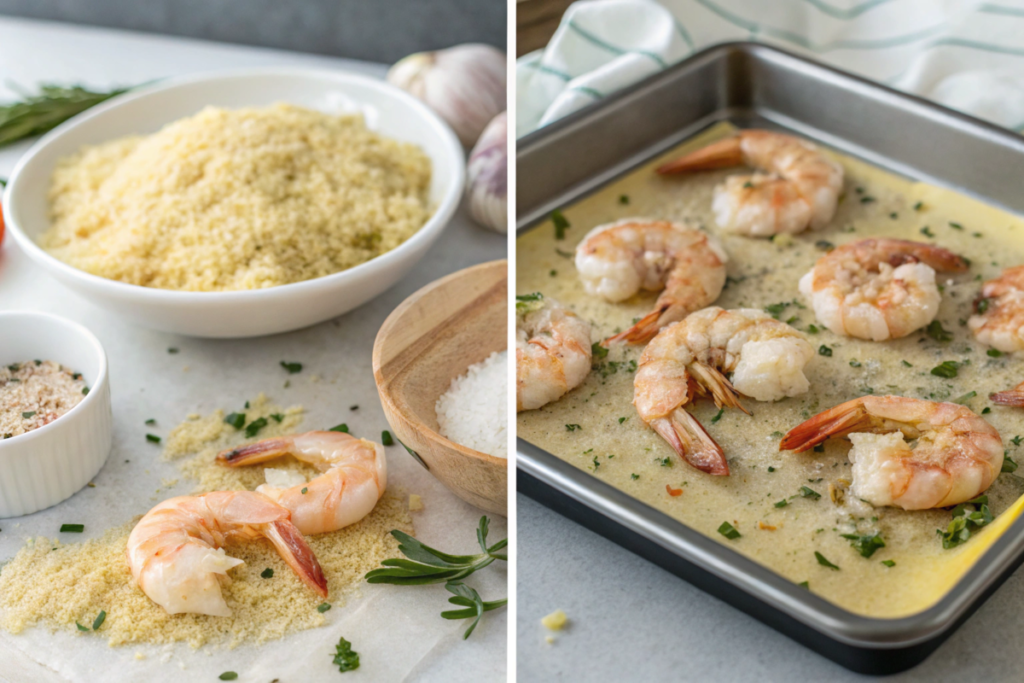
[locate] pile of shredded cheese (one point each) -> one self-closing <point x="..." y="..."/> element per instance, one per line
<point x="237" y="199"/>
<point x="56" y="585"/>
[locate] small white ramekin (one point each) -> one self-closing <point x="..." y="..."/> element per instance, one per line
<point x="48" y="465"/>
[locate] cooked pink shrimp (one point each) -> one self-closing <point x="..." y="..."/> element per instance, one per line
<point x="998" y="318"/>
<point x="956" y="455"/>
<point x="617" y="260"/>
<point x="1010" y="397"/>
<point x="553" y="351"/>
<point x="687" y="359"/>
<point x="175" y="551"/>
<point x="878" y="289"/>
<point x="355" y="474"/>
<point x="800" y="189"/>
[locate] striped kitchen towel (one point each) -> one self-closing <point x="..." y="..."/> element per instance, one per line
<point x="964" y="54"/>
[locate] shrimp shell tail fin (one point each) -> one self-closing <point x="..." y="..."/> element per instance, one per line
<point x="254" y="453"/>
<point x="296" y="552"/>
<point x="1011" y="397"/>
<point x="718" y="385"/>
<point x="721" y="154"/>
<point x="838" y="421"/>
<point x="642" y="332"/>
<point x="690" y="440"/>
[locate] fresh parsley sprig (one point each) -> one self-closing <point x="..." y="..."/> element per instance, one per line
<point x="425" y="565"/>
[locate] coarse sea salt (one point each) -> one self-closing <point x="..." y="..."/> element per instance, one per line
<point x="473" y="412"/>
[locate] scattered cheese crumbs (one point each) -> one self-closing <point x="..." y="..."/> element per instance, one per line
<point x="415" y="503"/>
<point x="52" y="584"/>
<point x="555" y="621"/>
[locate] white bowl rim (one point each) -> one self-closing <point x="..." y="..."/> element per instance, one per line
<point x="438" y="220"/>
<point x="91" y="397"/>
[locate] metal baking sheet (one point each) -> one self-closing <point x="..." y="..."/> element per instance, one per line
<point x="751" y="85"/>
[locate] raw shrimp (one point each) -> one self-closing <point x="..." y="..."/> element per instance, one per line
<point x="552" y="351"/>
<point x="800" y="188"/>
<point x="617" y="260"/>
<point x="1010" y="397"/>
<point x="689" y="358"/>
<point x="998" y="318"/>
<point x="878" y="289"/>
<point x="355" y="474"/>
<point x="175" y="551"/>
<point x="955" y="455"/>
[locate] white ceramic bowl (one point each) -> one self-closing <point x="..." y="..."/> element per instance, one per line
<point x="47" y="465"/>
<point x="388" y="111"/>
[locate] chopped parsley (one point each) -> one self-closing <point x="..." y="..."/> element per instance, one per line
<point x="854" y="363"/>
<point x="813" y="329"/>
<point x="1008" y="465"/>
<point x="150" y="422"/>
<point x="782" y="503"/>
<point x="304" y="490"/>
<point x="598" y="351"/>
<point x="994" y="353"/>
<point x="236" y="420"/>
<point x="1017" y="439"/>
<point x="955" y="226"/>
<point x="267" y="573"/>
<point x="624" y="199"/>
<point x="292" y="368"/>
<point x="561" y="224"/>
<point x="152" y="438"/>
<point x="172" y="350"/>
<point x="526" y="303"/>
<point x="622" y="419"/>
<point x="98" y="621"/>
<point x="385" y="438"/>
<point x="729" y="531"/>
<point x="775" y="310"/>
<point x="72" y="528"/>
<point x="634" y="476"/>
<point x="343" y="428"/>
<point x="254" y="427"/>
<point x="981" y="306"/>
<point x="918" y="206"/>
<point x="962" y="400"/>
<point x="927" y="232"/>
<point x="936" y="332"/>
<point x="947" y="369"/>
<point x="824" y="351"/>
<point x="824" y="245"/>
<point x="906" y="364"/>
<point x="889" y="563"/>
<point x="28" y="414"/>
<point x="345" y="657"/>
<point x="228" y="676"/>
<point x="323" y="607"/>
<point x="718" y="415"/>
<point x="572" y="427"/>
<point x="865" y="545"/>
<point x="806" y="492"/>
<point x="967" y="518"/>
<point x="824" y="562"/>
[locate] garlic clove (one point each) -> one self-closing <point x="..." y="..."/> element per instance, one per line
<point x="487" y="189"/>
<point x="465" y="85"/>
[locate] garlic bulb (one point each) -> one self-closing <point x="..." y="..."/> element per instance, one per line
<point x="487" y="188"/>
<point x="464" y="84"/>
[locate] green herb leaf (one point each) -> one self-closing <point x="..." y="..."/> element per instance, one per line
<point x="955" y="226"/>
<point x="994" y="353"/>
<point x="805" y="584"/>
<point x="236" y="420"/>
<point x="267" y="573"/>
<point x="889" y="563"/>
<point x="622" y="419"/>
<point x="824" y="562"/>
<point x="277" y="417"/>
<point x="72" y="528"/>
<point x="729" y="531"/>
<point x="1016" y="440"/>
<point x="824" y="350"/>
<point x="634" y="476"/>
<point x="152" y="438"/>
<point x="28" y="414"/>
<point x="345" y="657"/>
<point x="292" y="368"/>
<point x="572" y="427"/>
<point x="561" y="224"/>
<point x="98" y="621"/>
<point x="936" y="332"/>
<point x="718" y="415"/>
<point x="253" y="428"/>
<point x="782" y="503"/>
<point x="947" y="369"/>
<point x="385" y="438"/>
<point x="807" y="492"/>
<point x="228" y="676"/>
<point x="918" y="206"/>
<point x="150" y="422"/>
<point x="343" y="428"/>
<point x="906" y="364"/>
<point x="304" y="490"/>
<point x="624" y="199"/>
<point x="927" y="232"/>
<point x="865" y="545"/>
<point x="1008" y="465"/>
<point x="172" y="350"/>
<point x="775" y="310"/>
<point x="54" y="104"/>
<point x="981" y="306"/>
<point x="82" y="628"/>
<point x="323" y="607"/>
<point x="598" y="351"/>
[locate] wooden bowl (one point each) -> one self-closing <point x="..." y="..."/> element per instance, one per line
<point x="429" y="340"/>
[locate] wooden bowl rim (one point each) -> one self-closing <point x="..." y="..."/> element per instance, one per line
<point x="385" y="391"/>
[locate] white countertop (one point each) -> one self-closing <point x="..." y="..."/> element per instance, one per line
<point x="207" y="374"/>
<point x="631" y="620"/>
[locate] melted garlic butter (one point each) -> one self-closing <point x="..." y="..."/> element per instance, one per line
<point x="628" y="455"/>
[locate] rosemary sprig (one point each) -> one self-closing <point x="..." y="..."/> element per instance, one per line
<point x="37" y="114"/>
<point x="425" y="565"/>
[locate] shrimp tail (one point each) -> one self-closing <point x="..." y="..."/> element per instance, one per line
<point x="690" y="440"/>
<point x="255" y="453"/>
<point x="721" y="154"/>
<point x="296" y="552"/>
<point x="721" y="388"/>
<point x="642" y="332"/>
<point x="838" y="421"/>
<point x="1011" y="397"/>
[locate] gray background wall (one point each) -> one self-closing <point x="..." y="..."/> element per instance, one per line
<point x="375" y="30"/>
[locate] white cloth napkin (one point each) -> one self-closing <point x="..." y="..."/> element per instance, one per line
<point x="964" y="54"/>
